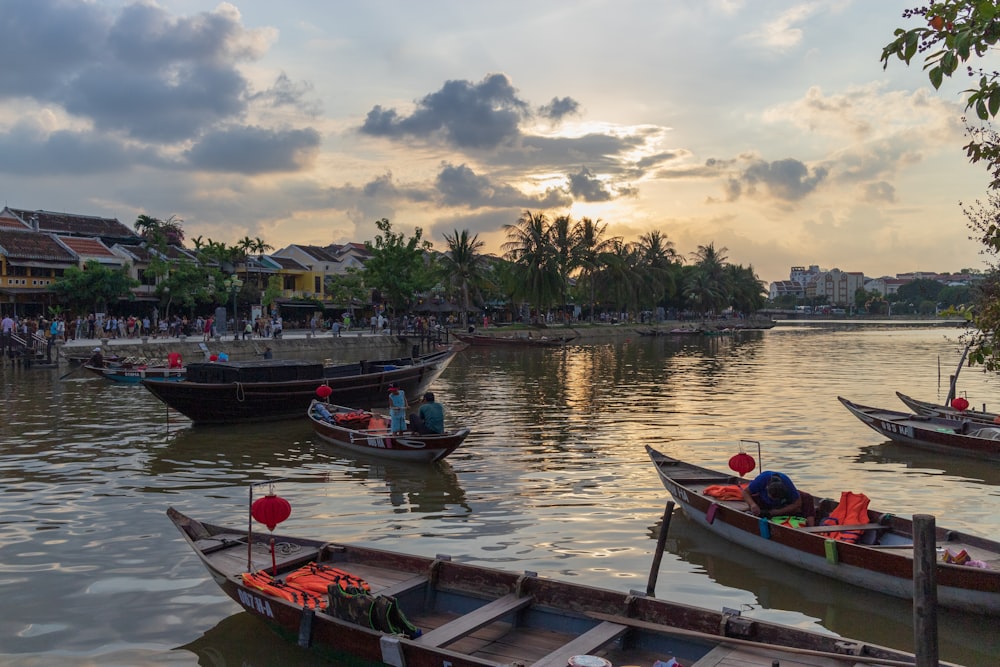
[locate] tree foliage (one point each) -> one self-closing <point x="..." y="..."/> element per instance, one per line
<point x="463" y="266"/>
<point x="399" y="268"/>
<point x="95" y="287"/>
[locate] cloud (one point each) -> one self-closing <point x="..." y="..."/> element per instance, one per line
<point x="463" y="114"/>
<point x="880" y="192"/>
<point x="787" y="179"/>
<point x="65" y="152"/>
<point x="254" y="150"/>
<point x="140" y="72"/>
<point x="558" y="109"/>
<point x="461" y="186"/>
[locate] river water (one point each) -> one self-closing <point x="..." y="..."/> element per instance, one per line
<point x="554" y="479"/>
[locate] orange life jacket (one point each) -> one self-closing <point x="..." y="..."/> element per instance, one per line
<point x="265" y="583"/>
<point x="724" y="491"/>
<point x="853" y="509"/>
<point x="316" y="578"/>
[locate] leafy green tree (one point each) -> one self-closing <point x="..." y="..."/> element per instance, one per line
<point x="169" y="231"/>
<point x="346" y="288"/>
<point x="746" y="291"/>
<point x="95" y="287"/>
<point x="564" y="239"/>
<point x="922" y="289"/>
<point x="950" y="34"/>
<point x="462" y="265"/>
<point x="399" y="268"/>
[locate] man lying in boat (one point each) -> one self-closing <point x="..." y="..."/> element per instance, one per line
<point x="773" y="494"/>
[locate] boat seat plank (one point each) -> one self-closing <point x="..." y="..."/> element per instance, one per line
<point x="469" y="623"/>
<point x="735" y="656"/>
<point x="845" y="527"/>
<point x="587" y="643"/>
<point x="401" y="587"/>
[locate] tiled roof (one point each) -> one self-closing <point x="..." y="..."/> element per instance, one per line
<point x="32" y="245"/>
<point x="71" y="223"/>
<point x="289" y="263"/>
<point x="88" y="247"/>
<point x="316" y="251"/>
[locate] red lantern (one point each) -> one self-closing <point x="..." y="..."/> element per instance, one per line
<point x="324" y="391"/>
<point x="960" y="403"/>
<point x="742" y="463"/>
<point x="271" y="510"/>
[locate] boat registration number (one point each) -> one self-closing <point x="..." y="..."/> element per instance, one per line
<point x="901" y="429"/>
<point x="254" y="603"/>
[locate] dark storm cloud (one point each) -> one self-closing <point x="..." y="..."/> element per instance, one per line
<point x="786" y="179"/>
<point x="43" y="40"/>
<point x="140" y="72"/>
<point x="585" y="185"/>
<point x="254" y="150"/>
<point x="558" y="108"/>
<point x="460" y="186"/>
<point x="467" y="115"/>
<point x="64" y="152"/>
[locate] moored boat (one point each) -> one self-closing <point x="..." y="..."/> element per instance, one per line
<point x="948" y="412"/>
<point x="513" y="341"/>
<point x="348" y="601"/>
<point x="136" y="373"/>
<point x="367" y="433"/>
<point x="963" y="436"/>
<point x="877" y="555"/>
<point x="247" y="391"/>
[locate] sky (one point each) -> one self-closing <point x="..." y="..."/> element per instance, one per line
<point x="767" y="128"/>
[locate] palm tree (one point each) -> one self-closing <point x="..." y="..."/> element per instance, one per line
<point x="708" y="287"/>
<point x="618" y="275"/>
<point x="463" y="265"/>
<point x="260" y="246"/>
<point x="592" y="249"/>
<point x="563" y="238"/>
<point x="657" y="261"/>
<point x="530" y="249"/>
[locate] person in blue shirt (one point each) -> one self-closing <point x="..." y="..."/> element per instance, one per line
<point x="429" y="418"/>
<point x="773" y="494"/>
<point x="397" y="408"/>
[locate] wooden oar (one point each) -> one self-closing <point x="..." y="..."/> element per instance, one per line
<point x="681" y="632"/>
<point x="72" y="370"/>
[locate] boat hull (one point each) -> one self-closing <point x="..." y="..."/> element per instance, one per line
<point x="480" y="340"/>
<point x="364" y="385"/>
<point x="407" y="446"/>
<point x="965" y="437"/>
<point x="886" y="567"/>
<point x="472" y="616"/>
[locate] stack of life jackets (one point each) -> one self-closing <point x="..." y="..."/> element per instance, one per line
<point x="852" y="510"/>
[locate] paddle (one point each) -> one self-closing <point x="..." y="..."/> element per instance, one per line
<point x="72" y="370"/>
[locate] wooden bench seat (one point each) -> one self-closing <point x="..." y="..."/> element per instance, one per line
<point x="846" y="527"/>
<point x="587" y="643"/>
<point x="469" y="623"/>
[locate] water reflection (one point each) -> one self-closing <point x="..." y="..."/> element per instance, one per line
<point x="554" y="478"/>
<point x="916" y="461"/>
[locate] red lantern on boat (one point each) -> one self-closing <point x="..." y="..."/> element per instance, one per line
<point x="324" y="391"/>
<point x="960" y="403"/>
<point x="742" y="463"/>
<point x="271" y="510"/>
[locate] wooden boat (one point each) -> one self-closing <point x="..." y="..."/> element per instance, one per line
<point x="367" y="433"/>
<point x="950" y="436"/>
<point x="136" y="373"/>
<point x="935" y="410"/>
<point x="513" y="341"/>
<point x="246" y="391"/>
<point x="880" y="560"/>
<point x="461" y="615"/>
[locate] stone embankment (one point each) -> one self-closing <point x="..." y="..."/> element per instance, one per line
<point x="349" y="346"/>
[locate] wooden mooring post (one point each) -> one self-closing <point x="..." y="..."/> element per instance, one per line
<point x="925" y="626"/>
<point x="661" y="543"/>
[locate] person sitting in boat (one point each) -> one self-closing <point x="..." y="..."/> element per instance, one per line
<point x="773" y="494"/>
<point x="96" y="359"/>
<point x="429" y="418"/>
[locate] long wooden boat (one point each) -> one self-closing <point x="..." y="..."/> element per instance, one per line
<point x="951" y="436"/>
<point x="424" y="612"/>
<point x="135" y="374"/>
<point x="948" y="412"/>
<point x="367" y="433"/>
<point x="513" y="341"/>
<point x="880" y="560"/>
<point x="266" y="390"/>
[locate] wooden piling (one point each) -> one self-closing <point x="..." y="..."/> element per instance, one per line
<point x="925" y="628"/>
<point x="661" y="543"/>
